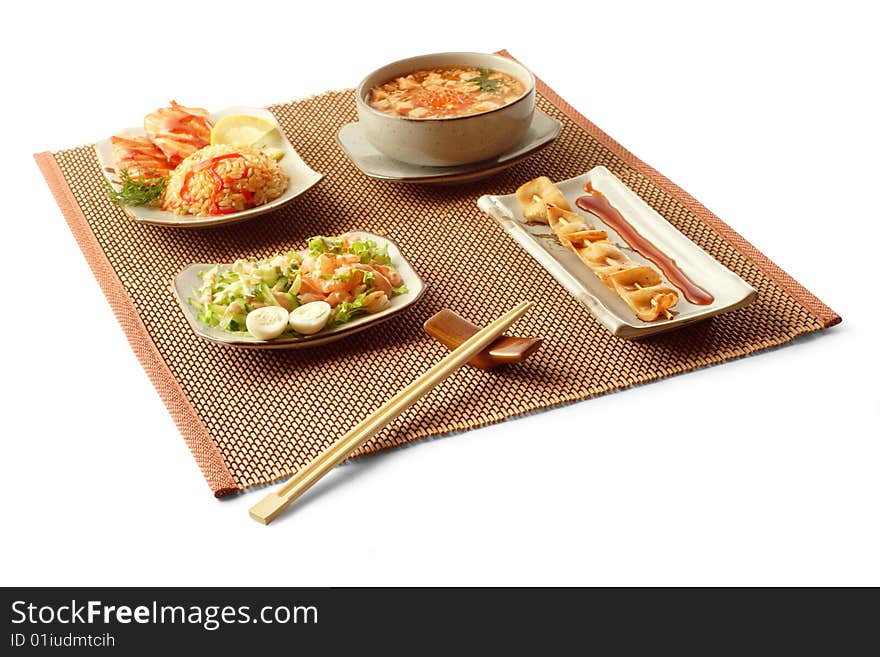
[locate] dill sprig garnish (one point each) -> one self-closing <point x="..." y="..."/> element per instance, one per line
<point x="136" y="191"/>
<point x="484" y="82"/>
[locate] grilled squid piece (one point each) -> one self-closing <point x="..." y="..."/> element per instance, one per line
<point x="139" y="156"/>
<point x="178" y="131"/>
<point x="640" y="286"/>
<point x="535" y="195"/>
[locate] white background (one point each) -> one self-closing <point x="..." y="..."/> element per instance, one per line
<point x="761" y="471"/>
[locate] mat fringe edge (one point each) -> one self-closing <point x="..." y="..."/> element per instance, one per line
<point x="193" y="430"/>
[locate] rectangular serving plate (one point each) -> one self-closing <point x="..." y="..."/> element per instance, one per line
<point x="300" y="178"/>
<point x="188" y="280"/>
<point x="730" y="291"/>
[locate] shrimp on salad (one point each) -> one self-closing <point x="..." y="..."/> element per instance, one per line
<point x="354" y="276"/>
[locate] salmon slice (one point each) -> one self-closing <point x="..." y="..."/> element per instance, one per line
<point x="139" y="156"/>
<point x="178" y="131"/>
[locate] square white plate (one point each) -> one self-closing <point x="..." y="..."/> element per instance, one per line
<point x="300" y="178"/>
<point x="187" y="281"/>
<point x="730" y="291"/>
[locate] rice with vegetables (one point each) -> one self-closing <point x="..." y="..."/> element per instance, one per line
<point x="222" y="179"/>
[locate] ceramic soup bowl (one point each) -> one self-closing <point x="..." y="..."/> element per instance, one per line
<point x="447" y="141"/>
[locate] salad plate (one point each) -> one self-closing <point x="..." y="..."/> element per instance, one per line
<point x="300" y="178"/>
<point x="352" y="137"/>
<point x="728" y="291"/>
<point x="188" y="280"/>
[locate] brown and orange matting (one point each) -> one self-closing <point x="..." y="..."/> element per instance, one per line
<point x="253" y="417"/>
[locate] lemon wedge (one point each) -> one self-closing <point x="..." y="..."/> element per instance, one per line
<point x="242" y="130"/>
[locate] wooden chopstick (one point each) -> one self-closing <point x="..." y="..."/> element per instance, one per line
<point x="267" y="509"/>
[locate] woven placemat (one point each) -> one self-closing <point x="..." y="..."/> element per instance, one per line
<point x="253" y="417"/>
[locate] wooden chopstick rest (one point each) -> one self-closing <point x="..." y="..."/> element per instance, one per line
<point x="452" y="330"/>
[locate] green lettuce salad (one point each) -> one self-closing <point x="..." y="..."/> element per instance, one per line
<point x="355" y="276"/>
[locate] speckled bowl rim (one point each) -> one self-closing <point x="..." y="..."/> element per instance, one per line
<point x="531" y="88"/>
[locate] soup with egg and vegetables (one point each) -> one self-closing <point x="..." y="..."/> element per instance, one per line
<point x="446" y="91"/>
